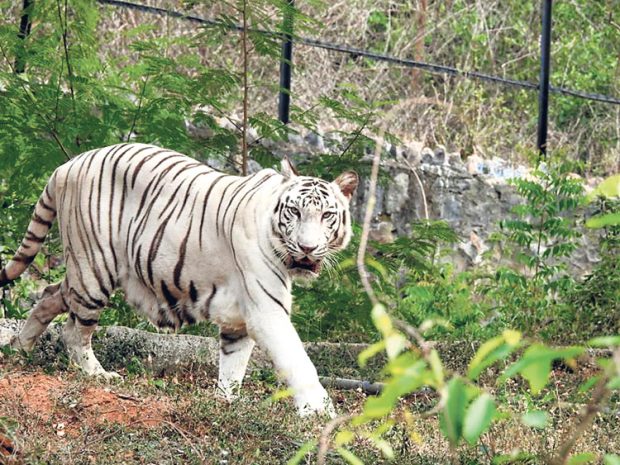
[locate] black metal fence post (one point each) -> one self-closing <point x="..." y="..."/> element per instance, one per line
<point x="24" y="30"/>
<point x="543" y="84"/>
<point x="284" y="104"/>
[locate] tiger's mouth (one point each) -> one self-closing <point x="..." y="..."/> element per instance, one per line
<point x="304" y="266"/>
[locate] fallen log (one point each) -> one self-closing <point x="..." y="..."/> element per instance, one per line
<point x="118" y="346"/>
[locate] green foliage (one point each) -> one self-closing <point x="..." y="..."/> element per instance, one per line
<point x="545" y="225"/>
<point x="597" y="295"/>
<point x="336" y="303"/>
<point x="542" y="236"/>
<point x="121" y="313"/>
<point x="466" y="411"/>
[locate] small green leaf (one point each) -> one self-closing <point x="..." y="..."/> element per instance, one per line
<point x="370" y="352"/>
<point x="453" y="415"/>
<point x="377" y="266"/>
<point x="494" y="349"/>
<point x="614" y="383"/>
<point x="601" y="221"/>
<point x="588" y="384"/>
<point x="384" y="447"/>
<point x="535" y="419"/>
<point x="605" y="341"/>
<point x="411" y="378"/>
<point x="343" y="437"/>
<point x="436" y="367"/>
<point x="611" y="459"/>
<point x="484" y="350"/>
<point x="394" y="344"/>
<point x="580" y="459"/>
<point x="282" y="394"/>
<point x="535" y="364"/>
<point x="381" y="319"/>
<point x="537" y="374"/>
<point x="478" y="417"/>
<point x="302" y="452"/>
<point x="610" y="187"/>
<point x="349" y="456"/>
<point x="511" y="337"/>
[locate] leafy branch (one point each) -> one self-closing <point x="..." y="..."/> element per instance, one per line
<point x="33" y="101"/>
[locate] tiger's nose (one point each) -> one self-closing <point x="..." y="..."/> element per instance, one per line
<point x="307" y="249"/>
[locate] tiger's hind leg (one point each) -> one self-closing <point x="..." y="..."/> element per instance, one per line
<point x="235" y="350"/>
<point x="77" y="336"/>
<point x="51" y="305"/>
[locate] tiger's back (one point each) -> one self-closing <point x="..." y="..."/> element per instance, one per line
<point x="132" y="214"/>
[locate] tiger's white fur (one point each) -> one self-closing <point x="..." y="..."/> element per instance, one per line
<point x="187" y="243"/>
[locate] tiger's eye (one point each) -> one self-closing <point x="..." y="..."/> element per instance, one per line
<point x="328" y="215"/>
<point x="295" y="211"/>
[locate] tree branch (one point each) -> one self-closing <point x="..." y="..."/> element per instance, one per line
<point x="325" y="434"/>
<point x="137" y="114"/>
<point x="244" y="42"/>
<point x="63" y="25"/>
<point x="370" y="206"/>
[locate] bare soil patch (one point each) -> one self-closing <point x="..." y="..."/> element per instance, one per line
<point x="66" y="406"/>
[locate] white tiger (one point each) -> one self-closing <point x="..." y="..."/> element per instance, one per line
<point x="187" y="243"/>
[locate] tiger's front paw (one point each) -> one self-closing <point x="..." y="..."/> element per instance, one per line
<point x="315" y="401"/>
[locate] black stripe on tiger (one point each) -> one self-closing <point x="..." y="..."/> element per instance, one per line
<point x="170" y="298"/>
<point x="193" y="293"/>
<point x="23" y="258"/>
<point x="83" y="321"/>
<point x="280" y="304"/>
<point x="45" y="206"/>
<point x="206" y="310"/>
<point x="37" y="219"/>
<point x="178" y="269"/>
<point x="30" y="236"/>
<point x="4" y="279"/>
<point x="204" y="206"/>
<point x="230" y="338"/>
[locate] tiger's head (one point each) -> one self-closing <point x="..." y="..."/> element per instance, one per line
<point x="312" y="220"/>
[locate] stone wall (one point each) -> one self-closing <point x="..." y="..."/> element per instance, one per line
<point x="472" y="195"/>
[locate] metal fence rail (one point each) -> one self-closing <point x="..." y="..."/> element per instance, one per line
<point x="430" y="67"/>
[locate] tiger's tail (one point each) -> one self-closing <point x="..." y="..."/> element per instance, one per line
<point x="40" y="224"/>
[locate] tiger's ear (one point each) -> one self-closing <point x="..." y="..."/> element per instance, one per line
<point x="347" y="182"/>
<point x="287" y="168"/>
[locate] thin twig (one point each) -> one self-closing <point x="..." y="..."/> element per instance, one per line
<point x="413" y="332"/>
<point x="185" y="435"/>
<point x="64" y="25"/>
<point x="357" y="134"/>
<point x="325" y="434"/>
<point x="244" y="41"/>
<point x="370" y="206"/>
<point x="421" y="186"/>
<point x="351" y="384"/>
<point x="135" y="117"/>
<point x="58" y="92"/>
<point x="600" y="394"/>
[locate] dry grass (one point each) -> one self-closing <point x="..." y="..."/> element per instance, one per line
<point x="64" y="418"/>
